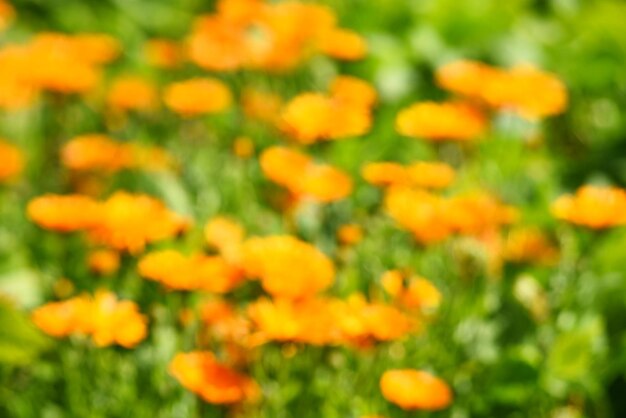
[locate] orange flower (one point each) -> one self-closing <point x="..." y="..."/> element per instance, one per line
<point x="420" y="293"/>
<point x="420" y="212"/>
<point x="197" y="96"/>
<point x="227" y="236"/>
<point x="195" y="272"/>
<point x="343" y="44"/>
<point x="529" y="245"/>
<point x="532" y="93"/>
<point x="524" y="89"/>
<point x="350" y="234"/>
<point x="12" y="161"/>
<point x="309" y="321"/>
<point x="441" y="121"/>
<point x="116" y="322"/>
<point x="593" y="206"/>
<point x="307" y="117"/>
<point x="64" y="213"/>
<point x="95" y="48"/>
<point x="163" y="53"/>
<point x="430" y="175"/>
<point x="214" y="382"/>
<point x="311" y="117"/>
<point x="354" y="91"/>
<point x="415" y="389"/>
<point x="384" y="173"/>
<point x="287" y="267"/>
<point x="101" y="153"/>
<point x="468" y="78"/>
<point x="106" y="319"/>
<point x="95" y="152"/>
<point x="476" y="213"/>
<point x="132" y="93"/>
<point x="261" y="105"/>
<point x="361" y="321"/>
<point x="128" y="222"/>
<point x="7" y="14"/>
<point x="243" y="147"/>
<point x="61" y="319"/>
<point x="302" y="177"/>
<point x="104" y="262"/>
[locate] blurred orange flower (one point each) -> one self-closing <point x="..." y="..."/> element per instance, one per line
<point x="128" y="222"/>
<point x="195" y="272"/>
<point x="132" y="93"/>
<point x="430" y="175"/>
<point x="163" y="53"/>
<point x="529" y="245"/>
<point x="261" y="105"/>
<point x="304" y="178"/>
<point x="415" y="389"/>
<point x="103" y="261"/>
<point x="595" y="207"/>
<point x="96" y="152"/>
<point x="441" y="121"/>
<point x="287" y="267"/>
<point x="350" y="234"/>
<point x="64" y="213"/>
<point x="106" y="319"/>
<point x="311" y="117"/>
<point x="197" y="96"/>
<point x="226" y="236"/>
<point x="202" y="374"/>
<point x="7" y="14"/>
<point x="342" y="44"/>
<point x="532" y="93"/>
<point x="243" y="147"/>
<point x="11" y="161"/>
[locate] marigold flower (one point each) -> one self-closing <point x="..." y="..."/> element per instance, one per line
<point x="12" y="161"/>
<point x="95" y="48"/>
<point x="420" y="212"/>
<point x="132" y="93"/>
<point x="532" y="93"/>
<point x="419" y="293"/>
<point x="128" y="222"/>
<point x="477" y="212"/>
<point x="197" y="96"/>
<point x="307" y="117"/>
<point x="286" y="266"/>
<point x="441" y="121"/>
<point x="195" y="272"/>
<point x="163" y="53"/>
<point x="261" y="105"/>
<point x="243" y="147"/>
<point x="429" y="175"/>
<point x="103" y="261"/>
<point x="226" y="236"/>
<point x="106" y="319"/>
<point x="116" y="322"/>
<point x="7" y="14"/>
<point x="529" y="245"/>
<point x="465" y="77"/>
<point x="64" y="213"/>
<point x="594" y="207"/>
<point x="353" y="91"/>
<point x="309" y="321"/>
<point x="343" y="44"/>
<point x="61" y="319"/>
<point x="201" y="373"/>
<point x="384" y="173"/>
<point x="350" y="234"/>
<point x="302" y="177"/>
<point x="415" y="389"/>
<point x="95" y="152"/>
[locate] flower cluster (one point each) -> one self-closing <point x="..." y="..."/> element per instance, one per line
<point x="105" y="318"/>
